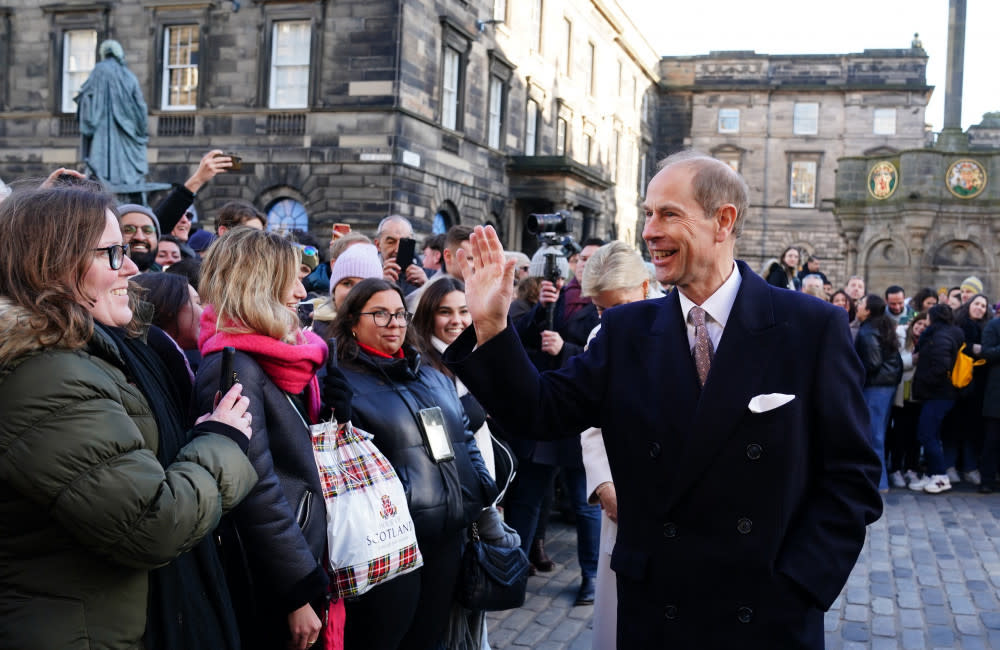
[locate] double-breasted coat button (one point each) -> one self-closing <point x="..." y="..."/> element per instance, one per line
<point x="754" y="451"/>
<point x="654" y="450"/>
<point x="744" y="525"/>
<point x="670" y="530"/>
<point x="670" y="612"/>
<point x="744" y="614"/>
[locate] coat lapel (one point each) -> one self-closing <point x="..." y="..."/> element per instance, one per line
<point x="749" y="343"/>
<point x="667" y="344"/>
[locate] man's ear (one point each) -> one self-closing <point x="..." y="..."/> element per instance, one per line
<point x="446" y="259"/>
<point x="725" y="222"/>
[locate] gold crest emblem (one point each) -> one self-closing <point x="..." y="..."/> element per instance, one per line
<point x="966" y="178"/>
<point x="882" y="180"/>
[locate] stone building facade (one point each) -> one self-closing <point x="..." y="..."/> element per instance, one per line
<point x="783" y="121"/>
<point x="348" y="110"/>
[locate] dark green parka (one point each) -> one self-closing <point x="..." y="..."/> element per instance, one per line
<point x="86" y="510"/>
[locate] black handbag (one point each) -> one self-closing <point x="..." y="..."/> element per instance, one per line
<point x="494" y="570"/>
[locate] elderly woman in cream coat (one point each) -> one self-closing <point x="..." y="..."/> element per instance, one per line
<point x="615" y="275"/>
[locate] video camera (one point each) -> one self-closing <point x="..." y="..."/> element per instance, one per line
<point x="550" y="229"/>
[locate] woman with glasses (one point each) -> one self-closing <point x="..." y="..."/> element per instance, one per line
<point x="417" y="421"/>
<point x="101" y="479"/>
<point x="273" y="544"/>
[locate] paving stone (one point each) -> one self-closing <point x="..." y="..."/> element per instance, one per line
<point x="968" y="624"/>
<point x="941" y="636"/>
<point x="962" y="605"/>
<point x="972" y="643"/>
<point x="852" y="631"/>
<point x="990" y="619"/>
<point x="856" y="613"/>
<point x="932" y="596"/>
<point x="884" y="626"/>
<point x="914" y="640"/>
<point x="937" y="615"/>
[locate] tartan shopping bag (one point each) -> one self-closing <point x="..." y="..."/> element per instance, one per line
<point x="370" y="532"/>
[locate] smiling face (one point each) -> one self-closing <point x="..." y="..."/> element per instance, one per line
<point x="189" y="321"/>
<point x="862" y="310"/>
<point x="896" y="303"/>
<point x="386" y="339"/>
<point x="689" y="249"/>
<point x="292" y="295"/>
<point x="977" y="308"/>
<point x="105" y="290"/>
<point x="183" y="227"/>
<point x="167" y="253"/>
<point x="840" y="300"/>
<point x="451" y="317"/>
<point x="139" y="232"/>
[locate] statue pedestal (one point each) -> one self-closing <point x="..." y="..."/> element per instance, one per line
<point x="952" y="139"/>
<point x="137" y="192"/>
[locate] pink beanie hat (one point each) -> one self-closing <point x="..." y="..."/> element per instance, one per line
<point x="358" y="261"/>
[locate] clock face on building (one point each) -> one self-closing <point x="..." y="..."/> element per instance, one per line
<point x="966" y="178"/>
<point x="882" y="180"/>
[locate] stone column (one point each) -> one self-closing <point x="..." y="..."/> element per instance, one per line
<point x="952" y="137"/>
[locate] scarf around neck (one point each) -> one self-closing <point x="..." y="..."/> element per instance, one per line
<point x="292" y="367"/>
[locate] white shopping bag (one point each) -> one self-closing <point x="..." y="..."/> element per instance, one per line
<point x="370" y="533"/>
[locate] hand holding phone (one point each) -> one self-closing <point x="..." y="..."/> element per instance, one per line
<point x="404" y="254"/>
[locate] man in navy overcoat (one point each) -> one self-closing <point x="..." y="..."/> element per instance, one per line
<point x="742" y="502"/>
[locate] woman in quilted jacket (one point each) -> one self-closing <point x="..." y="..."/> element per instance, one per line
<point x="88" y="508"/>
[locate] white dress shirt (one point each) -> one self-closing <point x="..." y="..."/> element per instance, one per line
<point x="717" y="308"/>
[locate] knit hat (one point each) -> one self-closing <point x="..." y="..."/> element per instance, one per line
<point x="358" y="261"/>
<point x="200" y="240"/>
<point x="125" y="208"/>
<point x="973" y="284"/>
<point x="310" y="257"/>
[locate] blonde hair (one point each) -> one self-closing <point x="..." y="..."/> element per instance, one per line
<point x="244" y="275"/>
<point x="613" y="266"/>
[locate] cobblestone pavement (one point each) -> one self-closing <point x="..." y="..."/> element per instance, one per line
<point x="928" y="577"/>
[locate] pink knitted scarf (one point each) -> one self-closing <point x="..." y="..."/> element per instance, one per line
<point x="292" y="368"/>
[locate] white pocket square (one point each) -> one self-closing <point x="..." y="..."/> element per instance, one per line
<point x="769" y="402"/>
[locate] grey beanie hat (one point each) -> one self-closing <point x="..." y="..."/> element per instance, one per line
<point x="125" y="208"/>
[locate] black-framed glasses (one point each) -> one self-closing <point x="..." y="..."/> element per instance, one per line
<point x="116" y="254"/>
<point x="382" y="318"/>
<point x="129" y="229"/>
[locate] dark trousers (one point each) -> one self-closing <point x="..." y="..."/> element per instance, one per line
<point x="901" y="445"/>
<point x="991" y="451"/>
<point x="929" y="432"/>
<point x="409" y="612"/>
<point x="524" y="504"/>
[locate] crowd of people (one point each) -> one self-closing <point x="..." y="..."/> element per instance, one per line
<point x="929" y="433"/>
<point x="145" y="507"/>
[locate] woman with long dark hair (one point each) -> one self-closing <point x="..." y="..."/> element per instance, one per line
<point x="936" y="351"/>
<point x="784" y="271"/>
<point x="878" y="347"/>
<point x="964" y="425"/>
<point x="417" y="421"/>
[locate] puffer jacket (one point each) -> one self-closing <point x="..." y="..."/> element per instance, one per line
<point x="86" y="510"/>
<point x="883" y="365"/>
<point x="388" y="394"/>
<point x="936" y="351"/>
<point x="273" y="544"/>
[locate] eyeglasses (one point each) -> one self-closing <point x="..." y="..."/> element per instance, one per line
<point x="382" y="318"/>
<point x="129" y="229"/>
<point x="116" y="254"/>
<point x="308" y="250"/>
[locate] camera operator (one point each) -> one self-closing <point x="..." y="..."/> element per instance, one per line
<point x="552" y="332"/>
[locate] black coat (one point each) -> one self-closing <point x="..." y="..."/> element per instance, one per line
<point x="777" y="276"/>
<point x="574" y="331"/>
<point x="700" y="564"/>
<point x="883" y="363"/>
<point x="274" y="542"/>
<point x="388" y="394"/>
<point x="991" y="352"/>
<point x="937" y="347"/>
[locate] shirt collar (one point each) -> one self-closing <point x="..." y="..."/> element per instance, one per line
<point x="720" y="304"/>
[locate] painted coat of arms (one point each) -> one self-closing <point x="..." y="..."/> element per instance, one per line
<point x="882" y="180"/>
<point x="388" y="509"/>
<point x="966" y="178"/>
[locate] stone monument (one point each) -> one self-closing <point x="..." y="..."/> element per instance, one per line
<point x="113" y="125"/>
